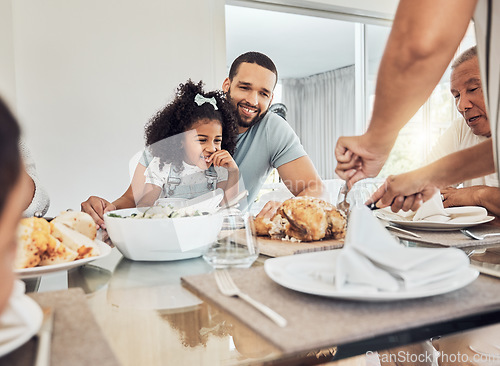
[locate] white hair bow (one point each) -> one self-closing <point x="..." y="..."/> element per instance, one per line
<point x="200" y="100"/>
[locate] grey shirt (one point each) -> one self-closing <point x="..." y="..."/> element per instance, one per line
<point x="267" y="145"/>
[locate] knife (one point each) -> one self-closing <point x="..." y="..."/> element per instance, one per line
<point x="45" y="338"/>
<point x="402" y="231"/>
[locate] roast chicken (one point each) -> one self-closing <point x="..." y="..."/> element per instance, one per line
<point x="303" y="219"/>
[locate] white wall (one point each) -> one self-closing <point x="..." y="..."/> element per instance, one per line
<point x="7" y="75"/>
<point x="90" y="73"/>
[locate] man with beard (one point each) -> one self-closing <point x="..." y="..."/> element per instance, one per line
<point x="265" y="141"/>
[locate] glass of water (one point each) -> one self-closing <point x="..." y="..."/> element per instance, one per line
<point x="358" y="195"/>
<point x="235" y="246"/>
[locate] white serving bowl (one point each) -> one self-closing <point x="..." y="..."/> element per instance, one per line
<point x="162" y="239"/>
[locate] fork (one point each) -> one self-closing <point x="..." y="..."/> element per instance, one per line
<point x="228" y="288"/>
<point x="477" y="236"/>
<point x="343" y="205"/>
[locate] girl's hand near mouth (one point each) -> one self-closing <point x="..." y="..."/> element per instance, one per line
<point x="222" y="158"/>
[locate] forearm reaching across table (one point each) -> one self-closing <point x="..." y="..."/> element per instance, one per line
<point x="407" y="191"/>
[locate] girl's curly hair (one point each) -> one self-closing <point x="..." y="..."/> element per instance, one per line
<point x="180" y="115"/>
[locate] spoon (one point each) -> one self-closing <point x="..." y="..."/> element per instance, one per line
<point x="234" y="201"/>
<point x="477" y="236"/>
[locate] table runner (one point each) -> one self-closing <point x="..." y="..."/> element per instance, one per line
<point x="315" y="322"/>
<point x="77" y="339"/>
<point x="453" y="238"/>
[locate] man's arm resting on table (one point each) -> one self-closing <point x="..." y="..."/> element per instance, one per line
<point x="484" y="196"/>
<point x="489" y="198"/>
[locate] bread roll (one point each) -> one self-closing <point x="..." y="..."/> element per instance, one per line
<point x="32" y="240"/>
<point x="57" y="253"/>
<point x="74" y="240"/>
<point x="78" y="221"/>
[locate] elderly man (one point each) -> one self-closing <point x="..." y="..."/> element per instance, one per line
<point x="265" y="141"/>
<point x="472" y="129"/>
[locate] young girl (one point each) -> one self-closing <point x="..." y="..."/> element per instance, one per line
<point x="191" y="141"/>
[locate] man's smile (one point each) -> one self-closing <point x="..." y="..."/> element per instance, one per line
<point x="247" y="110"/>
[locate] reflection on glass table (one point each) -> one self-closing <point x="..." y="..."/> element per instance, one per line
<point x="154" y="285"/>
<point x="487" y="261"/>
<point x="149" y="318"/>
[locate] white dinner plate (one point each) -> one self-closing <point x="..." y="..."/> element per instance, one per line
<point x="428" y="225"/>
<point x="104" y="249"/>
<point x="299" y="272"/>
<point x="33" y="317"/>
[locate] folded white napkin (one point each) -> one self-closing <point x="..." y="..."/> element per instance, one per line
<point x="13" y="321"/>
<point x="432" y="210"/>
<point x="372" y="259"/>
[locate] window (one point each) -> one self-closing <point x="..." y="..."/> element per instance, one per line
<point x="417" y="138"/>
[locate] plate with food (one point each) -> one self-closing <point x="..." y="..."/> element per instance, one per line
<point x="68" y="241"/>
<point x="430" y="225"/>
<point x="301" y="224"/>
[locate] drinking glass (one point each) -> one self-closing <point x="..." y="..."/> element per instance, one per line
<point x="235" y="246"/>
<point x="359" y="194"/>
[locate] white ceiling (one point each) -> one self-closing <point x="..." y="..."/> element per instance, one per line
<point x="299" y="45"/>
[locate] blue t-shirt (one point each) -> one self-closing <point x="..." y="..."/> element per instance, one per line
<point x="267" y="145"/>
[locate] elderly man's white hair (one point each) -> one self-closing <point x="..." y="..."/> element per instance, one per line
<point x="464" y="56"/>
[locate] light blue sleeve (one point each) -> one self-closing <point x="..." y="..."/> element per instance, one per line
<point x="283" y="141"/>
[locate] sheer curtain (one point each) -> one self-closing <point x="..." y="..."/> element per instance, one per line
<point x="320" y="109"/>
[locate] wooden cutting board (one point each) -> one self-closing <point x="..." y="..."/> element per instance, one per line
<point x="280" y="248"/>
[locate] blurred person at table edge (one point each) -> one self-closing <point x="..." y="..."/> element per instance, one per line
<point x="467" y="131"/>
<point x="422" y="42"/>
<point x="265" y="141"/>
<point x="14" y="193"/>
